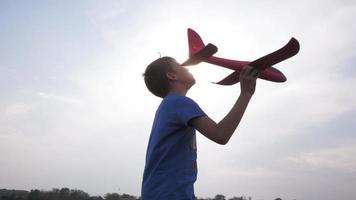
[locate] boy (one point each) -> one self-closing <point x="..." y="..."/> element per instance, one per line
<point x="171" y="169"/>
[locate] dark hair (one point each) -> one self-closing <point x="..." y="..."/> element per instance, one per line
<point x="155" y="76"/>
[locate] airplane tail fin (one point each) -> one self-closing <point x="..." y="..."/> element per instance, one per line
<point x="195" y="42"/>
<point x="197" y="50"/>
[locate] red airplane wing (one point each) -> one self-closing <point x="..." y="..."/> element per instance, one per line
<point x="264" y="64"/>
<point x="231" y="79"/>
<point x="289" y="50"/>
<point x="270" y="73"/>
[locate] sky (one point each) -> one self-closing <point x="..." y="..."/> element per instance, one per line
<point x="75" y="112"/>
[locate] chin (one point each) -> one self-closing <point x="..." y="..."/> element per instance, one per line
<point x="192" y="82"/>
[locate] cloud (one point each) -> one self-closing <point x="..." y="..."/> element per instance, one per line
<point x="64" y="99"/>
<point x="340" y="159"/>
<point x="17" y="109"/>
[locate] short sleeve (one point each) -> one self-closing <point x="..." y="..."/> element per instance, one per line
<point x="187" y="109"/>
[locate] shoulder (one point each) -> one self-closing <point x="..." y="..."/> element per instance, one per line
<point x="187" y="109"/>
<point x="181" y="101"/>
<point x="177" y="99"/>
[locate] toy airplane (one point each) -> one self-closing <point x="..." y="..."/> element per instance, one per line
<point x="198" y="52"/>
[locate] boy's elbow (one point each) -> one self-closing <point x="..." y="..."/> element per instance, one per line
<point x="222" y="140"/>
<point x="216" y="137"/>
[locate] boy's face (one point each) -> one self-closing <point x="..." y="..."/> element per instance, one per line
<point x="183" y="75"/>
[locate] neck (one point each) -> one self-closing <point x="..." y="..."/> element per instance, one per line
<point x="178" y="89"/>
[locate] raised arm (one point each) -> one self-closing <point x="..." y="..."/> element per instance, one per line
<point x="222" y="131"/>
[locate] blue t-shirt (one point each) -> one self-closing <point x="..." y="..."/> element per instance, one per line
<point x="171" y="167"/>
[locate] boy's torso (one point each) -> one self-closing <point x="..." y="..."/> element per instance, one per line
<point x="171" y="168"/>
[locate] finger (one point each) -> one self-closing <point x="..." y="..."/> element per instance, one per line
<point x="256" y="73"/>
<point x="242" y="73"/>
<point x="253" y="73"/>
<point x="246" y="70"/>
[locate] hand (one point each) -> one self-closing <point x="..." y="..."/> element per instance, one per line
<point x="248" y="78"/>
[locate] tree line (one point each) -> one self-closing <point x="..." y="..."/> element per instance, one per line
<point x="59" y="194"/>
<point x="75" y="194"/>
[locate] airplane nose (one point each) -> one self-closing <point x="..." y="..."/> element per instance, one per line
<point x="283" y="78"/>
<point x="273" y="74"/>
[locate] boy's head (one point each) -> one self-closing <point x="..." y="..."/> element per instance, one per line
<point x="164" y="74"/>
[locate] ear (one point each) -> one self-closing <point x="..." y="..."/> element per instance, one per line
<point x="171" y="76"/>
